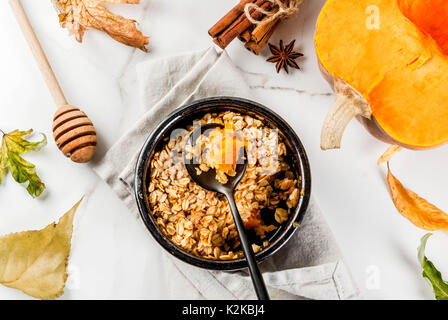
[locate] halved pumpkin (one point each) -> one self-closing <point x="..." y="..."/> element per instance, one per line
<point x="387" y="61"/>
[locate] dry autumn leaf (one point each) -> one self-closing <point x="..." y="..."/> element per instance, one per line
<point x="388" y="155"/>
<point x="419" y="211"/>
<point x="35" y="262"/>
<point x="78" y="15"/>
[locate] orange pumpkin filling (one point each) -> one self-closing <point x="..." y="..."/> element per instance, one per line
<point x="226" y="146"/>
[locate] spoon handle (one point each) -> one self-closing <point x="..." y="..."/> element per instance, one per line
<point x="38" y="53"/>
<point x="257" y="278"/>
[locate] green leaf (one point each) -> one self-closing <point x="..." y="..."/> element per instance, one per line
<point x="13" y="146"/>
<point x="430" y="272"/>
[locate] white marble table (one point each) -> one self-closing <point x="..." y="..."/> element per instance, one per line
<point x="113" y="256"/>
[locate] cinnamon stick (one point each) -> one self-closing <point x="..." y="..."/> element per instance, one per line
<point x="262" y="33"/>
<point x="241" y="24"/>
<point x="257" y="46"/>
<point x="262" y="29"/>
<point x="229" y="18"/>
<point x="246" y="35"/>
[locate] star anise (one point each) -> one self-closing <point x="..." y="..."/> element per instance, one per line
<point x="284" y="56"/>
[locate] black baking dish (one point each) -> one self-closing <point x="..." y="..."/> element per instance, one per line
<point x="185" y="115"/>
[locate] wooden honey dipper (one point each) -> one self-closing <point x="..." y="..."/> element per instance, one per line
<point x="73" y="131"/>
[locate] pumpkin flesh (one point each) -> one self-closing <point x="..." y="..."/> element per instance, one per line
<point x="400" y="67"/>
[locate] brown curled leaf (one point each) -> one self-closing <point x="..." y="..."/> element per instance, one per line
<point x="419" y="211"/>
<point x="389" y="154"/>
<point x="78" y="15"/>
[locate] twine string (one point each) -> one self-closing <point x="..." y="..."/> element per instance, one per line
<point x="285" y="11"/>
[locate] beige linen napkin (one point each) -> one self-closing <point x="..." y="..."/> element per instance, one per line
<point x="310" y="266"/>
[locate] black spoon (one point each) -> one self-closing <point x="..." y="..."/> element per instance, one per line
<point x="207" y="180"/>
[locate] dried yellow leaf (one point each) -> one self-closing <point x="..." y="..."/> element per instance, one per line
<point x="388" y="155"/>
<point x="78" y="15"/>
<point x="35" y="262"/>
<point x="419" y="211"/>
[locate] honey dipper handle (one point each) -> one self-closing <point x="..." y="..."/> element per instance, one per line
<point x="38" y="52"/>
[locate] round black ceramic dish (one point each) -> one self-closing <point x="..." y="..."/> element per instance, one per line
<point x="180" y="119"/>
